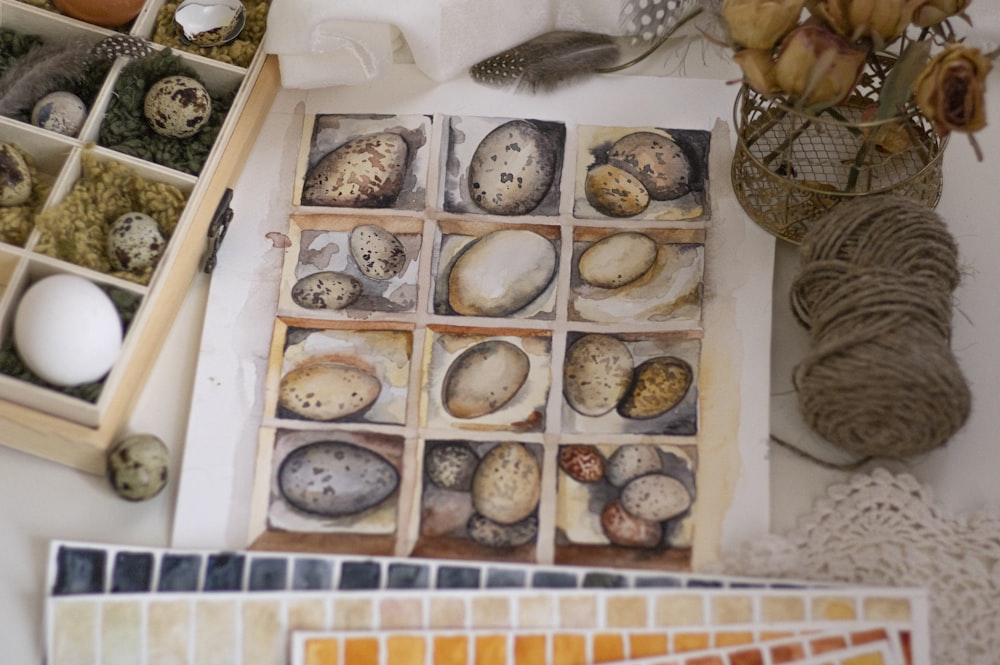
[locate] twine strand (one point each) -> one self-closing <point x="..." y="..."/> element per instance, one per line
<point x="874" y="289"/>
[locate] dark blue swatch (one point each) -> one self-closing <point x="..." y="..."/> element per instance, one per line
<point x="133" y="572"/>
<point x="456" y="577"/>
<point x="505" y="578"/>
<point x="179" y="572"/>
<point x="360" y="575"/>
<point x="79" y="570"/>
<point x="224" y="572"/>
<point x="408" y="576"/>
<point x="603" y="581"/>
<point x="747" y="585"/>
<point x="312" y="575"/>
<point x="660" y="581"/>
<point x="704" y="584"/>
<point x="268" y="574"/>
<point x="548" y="579"/>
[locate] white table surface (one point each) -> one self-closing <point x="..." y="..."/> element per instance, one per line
<point x="41" y="500"/>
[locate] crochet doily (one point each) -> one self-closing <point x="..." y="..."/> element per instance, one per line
<point x="886" y="529"/>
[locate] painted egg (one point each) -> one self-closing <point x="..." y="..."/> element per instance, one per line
<point x="135" y="242"/>
<point x="512" y="169"/>
<point x="500" y="273"/>
<point x="177" y="106"/>
<point x="326" y="290"/>
<point x="486" y="532"/>
<point x="377" y="252"/>
<point x="484" y="378"/>
<point x="327" y="391"/>
<point x="615" y="192"/>
<point x="105" y="13"/>
<point x="451" y="466"/>
<point x="627" y="530"/>
<point x="582" y="463"/>
<point x="366" y="172"/>
<point x="655" y="497"/>
<point x="60" y="112"/>
<point x="208" y="23"/>
<point x="138" y="466"/>
<point x="658" y="385"/>
<point x="507" y="484"/>
<point x="657" y="161"/>
<point x="597" y="372"/>
<point x="336" y="478"/>
<point x="617" y="260"/>
<point x="15" y="176"/>
<point x="631" y="461"/>
<point x="67" y="330"/>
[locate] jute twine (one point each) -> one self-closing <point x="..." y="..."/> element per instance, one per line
<point x="874" y="288"/>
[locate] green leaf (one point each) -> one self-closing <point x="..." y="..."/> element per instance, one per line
<point x="896" y="89"/>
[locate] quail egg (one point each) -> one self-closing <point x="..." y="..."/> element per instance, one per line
<point x="15" y="176"/>
<point x="60" y="112"/>
<point x="177" y="106"/>
<point x="135" y="242"/>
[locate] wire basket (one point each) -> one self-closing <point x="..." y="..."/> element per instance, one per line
<point x="790" y="167"/>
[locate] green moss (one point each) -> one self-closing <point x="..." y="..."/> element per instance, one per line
<point x="238" y="52"/>
<point x="125" y="129"/>
<point x="76" y="229"/>
<point x="12" y="365"/>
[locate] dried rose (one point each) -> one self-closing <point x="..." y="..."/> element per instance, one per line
<point x="760" y="24"/>
<point x="815" y="67"/>
<point x="950" y="90"/>
<point x="932" y="12"/>
<point x="883" y="21"/>
<point x="758" y="69"/>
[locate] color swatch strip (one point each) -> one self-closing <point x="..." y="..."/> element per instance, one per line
<point x="251" y="629"/>
<point x="548" y="647"/>
<point x="84" y="568"/>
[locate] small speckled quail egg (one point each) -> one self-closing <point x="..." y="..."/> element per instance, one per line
<point x="177" y="106"/>
<point x="138" y="466"/>
<point x="60" y="112"/>
<point x="15" y="177"/>
<point x="135" y="242"/>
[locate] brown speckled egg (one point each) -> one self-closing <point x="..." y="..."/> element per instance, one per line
<point x="377" y="252"/>
<point x="366" y="172"/>
<point x="656" y="160"/>
<point x="627" y="530"/>
<point x="486" y="532"/>
<point x="177" y="106"/>
<point x="451" y="466"/>
<point x="326" y="290"/>
<point x="507" y="484"/>
<point x="105" y="13"/>
<point x="327" y="391"/>
<point x="655" y="497"/>
<point x="596" y="374"/>
<point x="512" y="169"/>
<point x="658" y="385"/>
<point x="135" y="242"/>
<point x="15" y="177"/>
<point x="615" y="192"/>
<point x="582" y="463"/>
<point x="137" y="467"/>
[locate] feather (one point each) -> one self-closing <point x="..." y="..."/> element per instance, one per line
<point x="547" y="61"/>
<point x="43" y="69"/>
<point x="647" y="20"/>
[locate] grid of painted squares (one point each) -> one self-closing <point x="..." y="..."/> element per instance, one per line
<point x="458" y="337"/>
<point x="235" y="607"/>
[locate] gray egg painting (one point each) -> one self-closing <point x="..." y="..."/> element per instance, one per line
<point x="642" y="173"/>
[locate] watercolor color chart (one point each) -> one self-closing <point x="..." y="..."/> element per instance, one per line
<point x="138" y="605"/>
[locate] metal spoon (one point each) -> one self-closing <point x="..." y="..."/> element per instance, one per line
<point x="209" y="22"/>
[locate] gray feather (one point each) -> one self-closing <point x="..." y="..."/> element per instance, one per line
<point x="41" y="70"/>
<point x="547" y="61"/>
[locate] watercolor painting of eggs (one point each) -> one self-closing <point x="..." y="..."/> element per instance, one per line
<point x="489" y="342"/>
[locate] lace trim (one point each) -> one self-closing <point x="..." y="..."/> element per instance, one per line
<point x="886" y="529"/>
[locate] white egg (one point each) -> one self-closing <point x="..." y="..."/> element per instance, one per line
<point x="67" y="330"/>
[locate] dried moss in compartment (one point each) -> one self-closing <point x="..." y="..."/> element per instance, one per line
<point x="76" y="229"/>
<point x="85" y="83"/>
<point x="16" y="222"/>
<point x="12" y="365"/>
<point x="125" y="129"/>
<point x="238" y="52"/>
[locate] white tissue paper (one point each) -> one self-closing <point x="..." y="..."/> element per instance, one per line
<point x="323" y="43"/>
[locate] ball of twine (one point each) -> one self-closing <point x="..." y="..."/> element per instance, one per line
<point x="874" y="288"/>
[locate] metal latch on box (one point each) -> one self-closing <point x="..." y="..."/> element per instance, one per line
<point x="217" y="230"/>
